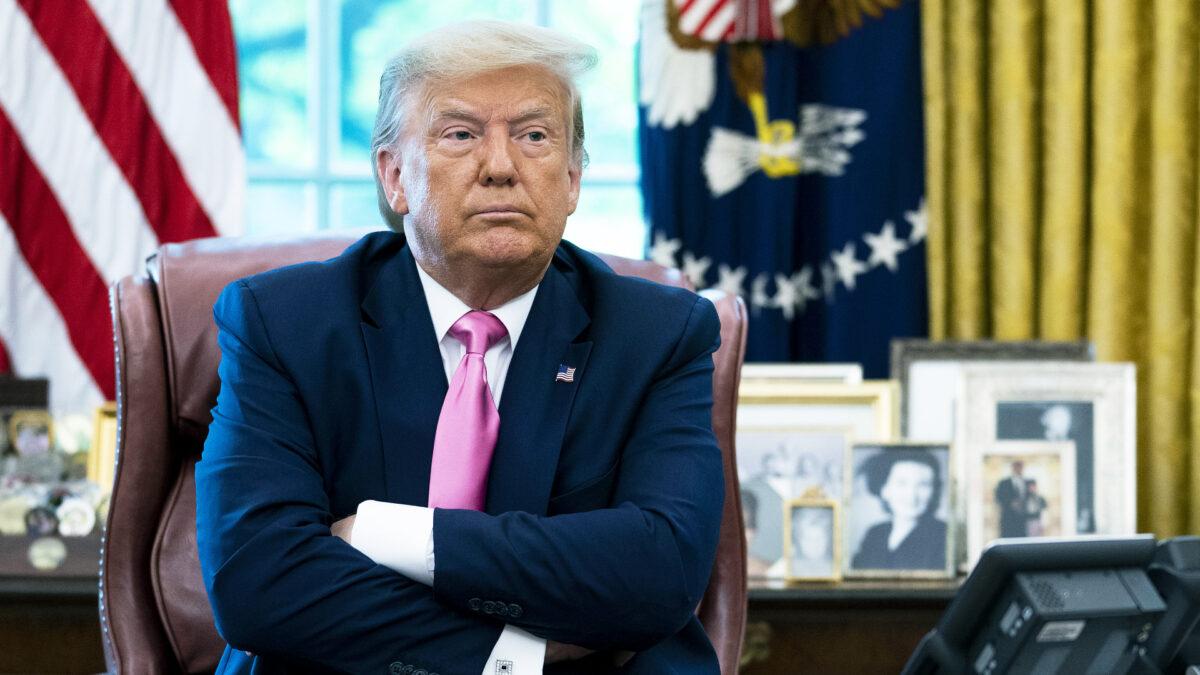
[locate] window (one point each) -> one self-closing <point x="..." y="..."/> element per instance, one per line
<point x="309" y="77"/>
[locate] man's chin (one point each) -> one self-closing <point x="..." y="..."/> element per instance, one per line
<point x="514" y="252"/>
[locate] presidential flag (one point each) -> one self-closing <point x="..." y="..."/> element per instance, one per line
<point x="781" y="153"/>
<point x="118" y="132"/>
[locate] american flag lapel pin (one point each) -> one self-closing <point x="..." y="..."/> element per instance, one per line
<point x="565" y="374"/>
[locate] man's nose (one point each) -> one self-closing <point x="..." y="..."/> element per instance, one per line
<point x="496" y="166"/>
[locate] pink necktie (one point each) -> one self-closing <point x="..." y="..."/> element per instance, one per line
<point x="469" y="423"/>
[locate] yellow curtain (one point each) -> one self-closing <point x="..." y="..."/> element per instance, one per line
<point x="1062" y="194"/>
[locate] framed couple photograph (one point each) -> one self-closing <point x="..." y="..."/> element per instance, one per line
<point x="1061" y="431"/>
<point x="792" y="440"/>
<point x="813" y="546"/>
<point x="1025" y="489"/>
<point x="899" y="512"/>
<point x="928" y="372"/>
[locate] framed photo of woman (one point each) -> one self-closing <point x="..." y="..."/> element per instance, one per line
<point x="812" y="547"/>
<point x="899" y="512"/>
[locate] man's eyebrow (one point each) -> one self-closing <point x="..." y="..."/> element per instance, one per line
<point x="455" y="113"/>
<point x="530" y="114"/>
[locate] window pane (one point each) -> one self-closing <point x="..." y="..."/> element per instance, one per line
<point x="609" y="98"/>
<point x="371" y="31"/>
<point x="355" y="205"/>
<point x="609" y="220"/>
<point x="281" y="208"/>
<point x="272" y="44"/>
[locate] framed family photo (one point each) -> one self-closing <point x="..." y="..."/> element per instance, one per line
<point x="792" y="440"/>
<point x="899" y="511"/>
<point x="813" y="547"/>
<point x="775" y="466"/>
<point x="1089" y="408"/>
<point x="928" y="373"/>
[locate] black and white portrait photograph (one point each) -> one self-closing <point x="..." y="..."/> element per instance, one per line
<point x="1057" y="421"/>
<point x="898" y="511"/>
<point x="812" y="545"/>
<point x="774" y="467"/>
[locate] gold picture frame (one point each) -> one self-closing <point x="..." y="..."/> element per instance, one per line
<point x="35" y="417"/>
<point x="871" y="407"/>
<point x="813" y="548"/>
<point x="103" y="456"/>
<point x="784" y="422"/>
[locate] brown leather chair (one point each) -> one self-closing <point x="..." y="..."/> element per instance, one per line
<point x="154" y="613"/>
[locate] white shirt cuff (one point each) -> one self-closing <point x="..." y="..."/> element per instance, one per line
<point x="518" y="651"/>
<point x="397" y="536"/>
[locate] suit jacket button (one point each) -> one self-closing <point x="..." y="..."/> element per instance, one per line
<point x="515" y="611"/>
<point x="474" y="604"/>
<point x="489" y="607"/>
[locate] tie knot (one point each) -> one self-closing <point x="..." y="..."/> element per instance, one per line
<point x="478" y="331"/>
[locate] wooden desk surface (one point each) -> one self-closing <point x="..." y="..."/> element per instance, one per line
<point x="855" y="626"/>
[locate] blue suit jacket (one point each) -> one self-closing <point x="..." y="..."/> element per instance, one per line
<point x="604" y="497"/>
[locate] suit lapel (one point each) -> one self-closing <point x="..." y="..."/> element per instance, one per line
<point x="406" y="375"/>
<point x="534" y="407"/>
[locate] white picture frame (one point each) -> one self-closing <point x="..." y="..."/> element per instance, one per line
<point x="1092" y="404"/>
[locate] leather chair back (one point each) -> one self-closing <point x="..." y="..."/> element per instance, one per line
<point x="154" y="612"/>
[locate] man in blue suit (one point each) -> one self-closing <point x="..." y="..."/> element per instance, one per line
<point x="343" y="386"/>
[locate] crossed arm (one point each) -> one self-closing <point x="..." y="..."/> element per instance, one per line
<point x="281" y="585"/>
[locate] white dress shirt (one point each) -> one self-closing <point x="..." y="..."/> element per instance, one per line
<point x="400" y="536"/>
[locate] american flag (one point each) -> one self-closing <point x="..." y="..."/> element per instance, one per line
<point x="118" y="132"/>
<point x="565" y="374"/>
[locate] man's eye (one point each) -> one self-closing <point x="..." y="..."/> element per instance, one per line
<point x="461" y="135"/>
<point x="537" y="136"/>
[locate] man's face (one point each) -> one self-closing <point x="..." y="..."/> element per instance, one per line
<point x="484" y="170"/>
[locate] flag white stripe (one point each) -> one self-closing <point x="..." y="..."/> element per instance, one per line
<point x="690" y="20"/>
<point x="720" y="23"/>
<point x="36" y="335"/>
<point x="105" y="214"/>
<point x="183" y="101"/>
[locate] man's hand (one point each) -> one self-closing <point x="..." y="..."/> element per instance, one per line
<point x="342" y="528"/>
<point x="557" y="652"/>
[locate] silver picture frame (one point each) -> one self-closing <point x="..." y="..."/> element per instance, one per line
<point x="930" y="392"/>
<point x="1094" y="405"/>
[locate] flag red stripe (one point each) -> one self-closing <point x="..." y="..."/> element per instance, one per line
<point x="47" y="243"/>
<point x="712" y="13"/>
<point x="766" y="22"/>
<point x="208" y="26"/>
<point x="5" y="362"/>
<point x="113" y="102"/>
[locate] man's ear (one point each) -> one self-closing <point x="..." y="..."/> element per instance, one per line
<point x="387" y="166"/>
<point x="574" y="173"/>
